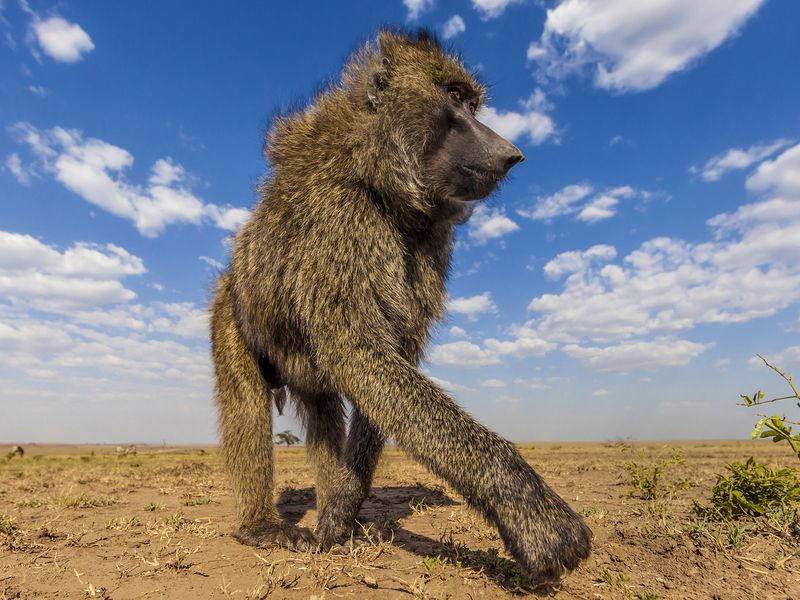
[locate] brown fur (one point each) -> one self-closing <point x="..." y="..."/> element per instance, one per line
<point x="333" y="286"/>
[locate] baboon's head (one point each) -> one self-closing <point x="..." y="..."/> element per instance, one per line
<point x="422" y="140"/>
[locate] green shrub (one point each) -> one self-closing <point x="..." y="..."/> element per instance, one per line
<point x="752" y="489"/>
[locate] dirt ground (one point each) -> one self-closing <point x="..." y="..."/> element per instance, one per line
<point x="86" y="521"/>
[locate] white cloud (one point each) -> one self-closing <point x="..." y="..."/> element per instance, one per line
<point x="781" y="175"/>
<point x="636" y="355"/>
<point x="600" y="392"/>
<point x="561" y="203"/>
<point x="37" y="275"/>
<point x="213" y="263"/>
<point x="417" y="7"/>
<point x="65" y="316"/>
<point x="38" y="90"/>
<point x="608" y="309"/>
<point x="17" y="169"/>
<point x="576" y="261"/>
<point x="493" y="383"/>
<point x="462" y="354"/>
<point x="491" y="9"/>
<point x="488" y="224"/>
<point x="617" y="139"/>
<point x="526" y="342"/>
<point x="575" y="198"/>
<point x="62" y="40"/>
<point x="453" y="27"/>
<point x="449" y="386"/>
<point x="635" y="46"/>
<point x="472" y="305"/>
<point x="532" y="121"/>
<point x="458" y="332"/>
<point x="95" y="170"/>
<point x="737" y="158"/>
<point x="600" y="208"/>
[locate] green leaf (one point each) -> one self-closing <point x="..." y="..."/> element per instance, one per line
<point x="759" y="426"/>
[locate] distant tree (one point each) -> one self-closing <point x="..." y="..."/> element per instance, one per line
<point x="287" y="437"/>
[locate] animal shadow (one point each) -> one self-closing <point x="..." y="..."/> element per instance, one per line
<point x="386" y="506"/>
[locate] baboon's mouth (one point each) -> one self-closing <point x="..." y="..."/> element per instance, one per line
<point x="477" y="184"/>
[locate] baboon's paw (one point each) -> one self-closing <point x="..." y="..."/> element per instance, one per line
<point x="277" y="534"/>
<point x="551" y="543"/>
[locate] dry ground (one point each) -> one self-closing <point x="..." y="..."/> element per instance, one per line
<point x="81" y="521"/>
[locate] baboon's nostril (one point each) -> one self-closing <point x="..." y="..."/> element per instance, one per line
<point x="512" y="160"/>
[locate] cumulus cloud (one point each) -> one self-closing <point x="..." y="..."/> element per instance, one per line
<point x="65" y="315"/>
<point x="458" y="332"/>
<point x="526" y="342"/>
<point x="636" y="355"/>
<point x="576" y="261"/>
<point x="462" y="354"/>
<point x="453" y="27"/>
<point x="781" y="175"/>
<point x="491" y="9"/>
<point x="737" y="158"/>
<point x="95" y="171"/>
<point x="609" y="308"/>
<point x="417" y="7"/>
<point x="62" y="40"/>
<point x="37" y="275"/>
<point x="532" y="121"/>
<point x="488" y="224"/>
<point x="634" y="46"/>
<point x="472" y="306"/>
<point x="578" y="199"/>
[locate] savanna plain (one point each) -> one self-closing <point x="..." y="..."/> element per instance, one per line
<point x="155" y="522"/>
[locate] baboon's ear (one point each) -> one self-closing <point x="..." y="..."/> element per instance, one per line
<point x="378" y="81"/>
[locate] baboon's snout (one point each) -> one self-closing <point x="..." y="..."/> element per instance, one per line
<point x="499" y="154"/>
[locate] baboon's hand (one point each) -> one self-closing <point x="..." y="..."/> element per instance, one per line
<point x="546" y="536"/>
<point x="338" y="519"/>
<point x="277" y="534"/>
<point x="331" y="531"/>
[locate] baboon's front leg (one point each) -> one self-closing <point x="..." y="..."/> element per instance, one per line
<point x="542" y="532"/>
<point x="323" y="417"/>
<point x="364" y="445"/>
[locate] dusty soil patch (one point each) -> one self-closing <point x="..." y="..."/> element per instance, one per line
<point x="83" y="521"/>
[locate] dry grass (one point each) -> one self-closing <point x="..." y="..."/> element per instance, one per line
<point x="85" y="522"/>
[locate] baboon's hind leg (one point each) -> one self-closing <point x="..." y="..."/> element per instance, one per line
<point x="364" y="445"/>
<point x="323" y="417"/>
<point x="245" y="423"/>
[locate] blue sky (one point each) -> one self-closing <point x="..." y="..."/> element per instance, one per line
<point x="617" y="286"/>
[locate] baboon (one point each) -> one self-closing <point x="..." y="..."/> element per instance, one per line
<point x="333" y="286"/>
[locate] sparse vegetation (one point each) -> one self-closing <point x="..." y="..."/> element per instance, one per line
<point x="753" y="489"/>
<point x="648" y="477"/>
<point x="775" y="427"/>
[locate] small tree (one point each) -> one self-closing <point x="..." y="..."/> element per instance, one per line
<point x="286" y="437"/>
<point x="779" y="428"/>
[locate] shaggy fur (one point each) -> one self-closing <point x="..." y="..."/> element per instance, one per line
<point x="333" y="286"/>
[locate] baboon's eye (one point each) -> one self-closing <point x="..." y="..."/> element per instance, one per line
<point x="455" y="94"/>
<point x="473" y="107"/>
